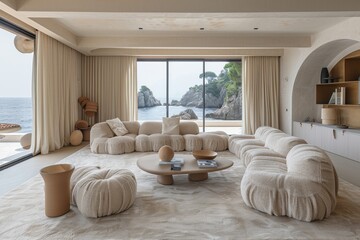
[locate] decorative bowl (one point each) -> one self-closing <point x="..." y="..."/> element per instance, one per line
<point x="204" y="154"/>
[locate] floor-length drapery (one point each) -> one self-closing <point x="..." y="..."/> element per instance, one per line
<point x="261" y="92"/>
<point x="56" y="88"/>
<point x="112" y="83"/>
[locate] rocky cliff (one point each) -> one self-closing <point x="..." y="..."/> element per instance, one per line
<point x="230" y="110"/>
<point x="194" y="98"/>
<point x="146" y="98"/>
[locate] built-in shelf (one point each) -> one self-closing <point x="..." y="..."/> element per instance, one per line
<point x="352" y="92"/>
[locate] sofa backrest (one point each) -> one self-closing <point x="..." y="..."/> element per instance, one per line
<point x="282" y="143"/>
<point x="313" y="163"/>
<point x="188" y="127"/>
<point x="100" y="130"/>
<point x="263" y="132"/>
<point x="132" y="126"/>
<point x="152" y="127"/>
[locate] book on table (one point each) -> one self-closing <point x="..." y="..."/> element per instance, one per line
<point x="175" y="160"/>
<point x="205" y="163"/>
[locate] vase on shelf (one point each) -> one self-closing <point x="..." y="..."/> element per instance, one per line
<point x="324" y="77"/>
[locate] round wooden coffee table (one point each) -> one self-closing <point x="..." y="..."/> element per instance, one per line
<point x="164" y="173"/>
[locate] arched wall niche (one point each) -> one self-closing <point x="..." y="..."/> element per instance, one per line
<point x="303" y="93"/>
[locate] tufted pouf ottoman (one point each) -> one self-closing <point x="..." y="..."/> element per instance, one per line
<point x="104" y="192"/>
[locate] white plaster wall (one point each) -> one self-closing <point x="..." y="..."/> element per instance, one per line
<point x="300" y="103"/>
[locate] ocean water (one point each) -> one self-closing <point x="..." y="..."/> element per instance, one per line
<point x="18" y="111"/>
<point x="157" y="112"/>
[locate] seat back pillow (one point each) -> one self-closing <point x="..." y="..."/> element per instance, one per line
<point x="117" y="126"/>
<point x="171" y="126"/>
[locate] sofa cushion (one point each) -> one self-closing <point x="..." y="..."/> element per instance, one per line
<point x="170" y="126"/>
<point x="252" y="151"/>
<point x="273" y="138"/>
<point x="132" y="127"/>
<point x="117" y="126"/>
<point x="142" y="143"/>
<point x="99" y="145"/>
<point x="237" y="145"/>
<point x="263" y="132"/>
<point x="188" y="127"/>
<point x="303" y="187"/>
<point x="154" y="142"/>
<point x="285" y="144"/>
<point x="120" y="144"/>
<point x="215" y="141"/>
<point x="100" y="130"/>
<point x="193" y="142"/>
<point x="313" y="163"/>
<point x="150" y="127"/>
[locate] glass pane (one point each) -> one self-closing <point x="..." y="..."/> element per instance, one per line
<point x="223" y="91"/>
<point x="152" y="90"/>
<point x="15" y="97"/>
<point x="186" y="89"/>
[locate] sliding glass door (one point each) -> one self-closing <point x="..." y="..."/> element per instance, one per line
<point x="16" y="63"/>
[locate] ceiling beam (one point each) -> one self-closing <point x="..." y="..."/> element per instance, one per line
<point x="194" y="42"/>
<point x="187" y="6"/>
<point x="186" y="53"/>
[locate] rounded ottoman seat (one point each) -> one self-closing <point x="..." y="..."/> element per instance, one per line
<point x="105" y="192"/>
<point x="215" y="141"/>
<point x="193" y="142"/>
<point x="142" y="143"/>
<point x="120" y="145"/>
<point x="302" y="186"/>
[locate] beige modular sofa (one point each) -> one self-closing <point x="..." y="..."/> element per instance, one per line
<point x="285" y="176"/>
<point x="147" y="137"/>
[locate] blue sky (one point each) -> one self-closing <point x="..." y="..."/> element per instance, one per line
<point x="15" y="68"/>
<point x="182" y="75"/>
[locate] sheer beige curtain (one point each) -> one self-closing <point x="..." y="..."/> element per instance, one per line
<point x="261" y="92"/>
<point x="56" y="88"/>
<point x="112" y="83"/>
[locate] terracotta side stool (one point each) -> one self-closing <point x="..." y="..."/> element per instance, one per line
<point x="57" y="188"/>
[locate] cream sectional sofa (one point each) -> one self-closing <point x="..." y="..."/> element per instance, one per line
<point x="285" y="176"/>
<point x="148" y="136"/>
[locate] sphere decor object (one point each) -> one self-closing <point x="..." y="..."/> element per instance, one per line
<point x="324" y="77"/>
<point x="76" y="138"/>
<point x="166" y="153"/>
<point x="25" y="141"/>
<point x="57" y="188"/>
